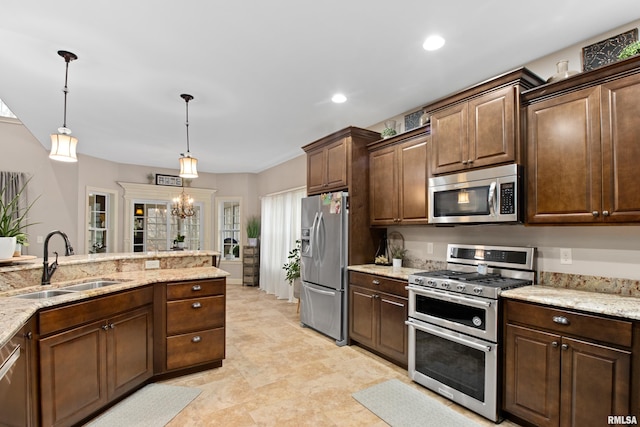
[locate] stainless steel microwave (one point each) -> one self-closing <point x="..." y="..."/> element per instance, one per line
<point x="490" y="195"/>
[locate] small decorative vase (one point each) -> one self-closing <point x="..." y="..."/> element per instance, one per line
<point x="7" y="247"/>
<point x="18" y="250"/>
<point x="563" y="72"/>
<point x="424" y="119"/>
<point x="253" y="241"/>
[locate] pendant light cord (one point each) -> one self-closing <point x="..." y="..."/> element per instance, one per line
<point x="187" y="99"/>
<point x="66" y="91"/>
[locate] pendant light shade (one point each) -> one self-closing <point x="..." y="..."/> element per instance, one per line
<point x="63" y="145"/>
<point x="188" y="164"/>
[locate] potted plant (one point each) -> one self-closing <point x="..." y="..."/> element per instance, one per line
<point x="13" y="222"/>
<point x="397" y="255"/>
<point x="631" y="50"/>
<point x="253" y="230"/>
<point x="179" y="242"/>
<point x="292" y="269"/>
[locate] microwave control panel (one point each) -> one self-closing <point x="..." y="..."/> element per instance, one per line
<point x="507" y="198"/>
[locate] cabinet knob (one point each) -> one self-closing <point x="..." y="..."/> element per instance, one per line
<point x="29" y="335"/>
<point x="470" y="161"/>
<point x="595" y="213"/>
<point x="375" y="281"/>
<point x="196" y="288"/>
<point x="554" y="344"/>
<point x="112" y="326"/>
<point x="464" y="162"/>
<point x="196" y="305"/>
<point x="104" y="327"/>
<point x="605" y="213"/>
<point x="196" y="339"/>
<point x="565" y="346"/>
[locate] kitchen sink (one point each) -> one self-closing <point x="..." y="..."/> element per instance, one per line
<point x="44" y="294"/>
<point x="95" y="284"/>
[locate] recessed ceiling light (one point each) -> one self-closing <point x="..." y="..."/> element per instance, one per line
<point x="338" y="98"/>
<point x="433" y="43"/>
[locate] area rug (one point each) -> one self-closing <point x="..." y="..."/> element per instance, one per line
<point x="400" y="405"/>
<point x="152" y="406"/>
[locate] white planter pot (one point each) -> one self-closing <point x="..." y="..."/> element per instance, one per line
<point x="397" y="262"/>
<point x="7" y="247"/>
<point x="296" y="288"/>
<point x="253" y="241"/>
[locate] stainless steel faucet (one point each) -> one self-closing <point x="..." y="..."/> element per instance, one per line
<point x="48" y="270"/>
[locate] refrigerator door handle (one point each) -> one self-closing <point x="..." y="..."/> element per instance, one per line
<point x="321" y="237"/>
<point x="312" y="238"/>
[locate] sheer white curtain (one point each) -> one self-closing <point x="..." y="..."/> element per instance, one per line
<point x="280" y="228"/>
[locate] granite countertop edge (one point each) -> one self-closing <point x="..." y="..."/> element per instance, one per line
<point x="15" y="312"/>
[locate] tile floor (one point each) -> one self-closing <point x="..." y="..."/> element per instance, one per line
<point x="277" y="373"/>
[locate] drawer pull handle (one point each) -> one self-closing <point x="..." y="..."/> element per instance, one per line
<point x="196" y="305"/>
<point x="196" y="339"/>
<point x="561" y="320"/>
<point x="375" y="282"/>
<point x="196" y="288"/>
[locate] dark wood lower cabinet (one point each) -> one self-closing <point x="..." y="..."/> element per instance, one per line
<point x="554" y="379"/>
<point x="92" y="353"/>
<point x="377" y="316"/>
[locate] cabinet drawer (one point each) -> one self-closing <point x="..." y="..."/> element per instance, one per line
<point x="250" y="270"/>
<point x="567" y="322"/>
<point x="251" y="251"/>
<point x="60" y="318"/>
<point x="195" y="348"/>
<point x="379" y="283"/>
<point x="195" y="314"/>
<point x="195" y="289"/>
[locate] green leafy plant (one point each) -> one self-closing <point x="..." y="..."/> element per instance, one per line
<point x="629" y="51"/>
<point x="292" y="266"/>
<point x="180" y="238"/>
<point x="253" y="227"/>
<point x="386" y="133"/>
<point x="13" y="220"/>
<point x="397" y="252"/>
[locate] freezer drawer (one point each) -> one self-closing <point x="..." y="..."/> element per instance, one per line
<point x="322" y="309"/>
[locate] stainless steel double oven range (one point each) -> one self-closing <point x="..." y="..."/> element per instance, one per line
<point x="454" y="318"/>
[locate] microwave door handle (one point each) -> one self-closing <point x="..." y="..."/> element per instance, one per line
<point x="492" y="199"/>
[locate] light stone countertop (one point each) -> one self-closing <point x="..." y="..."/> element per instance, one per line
<point x="627" y="307"/>
<point x="15" y="312"/>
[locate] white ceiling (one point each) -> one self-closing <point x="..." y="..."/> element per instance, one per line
<point x="262" y="72"/>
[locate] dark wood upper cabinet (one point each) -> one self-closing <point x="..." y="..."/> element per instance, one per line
<point x="582" y="148"/>
<point x="479" y="126"/>
<point x="398" y="179"/>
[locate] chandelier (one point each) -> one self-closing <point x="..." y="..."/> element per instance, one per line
<point x="183" y="206"/>
<point x="63" y="145"/>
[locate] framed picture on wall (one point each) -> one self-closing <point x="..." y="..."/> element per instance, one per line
<point x="606" y="51"/>
<point x="170" y="180"/>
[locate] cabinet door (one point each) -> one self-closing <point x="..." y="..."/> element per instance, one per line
<point x="362" y="315"/>
<point x="621" y="150"/>
<point x="336" y="165"/>
<point x="130" y="351"/>
<point x="412" y="182"/>
<point x="392" y="331"/>
<point x="564" y="159"/>
<point x="532" y="375"/>
<point x="449" y="139"/>
<point x="492" y="128"/>
<point x="73" y="371"/>
<point x="595" y="383"/>
<point x="316" y="162"/>
<point x="383" y="191"/>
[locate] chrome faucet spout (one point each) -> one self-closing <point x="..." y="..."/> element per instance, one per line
<point x="49" y="269"/>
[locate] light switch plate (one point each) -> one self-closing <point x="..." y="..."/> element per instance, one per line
<point x="152" y="263"/>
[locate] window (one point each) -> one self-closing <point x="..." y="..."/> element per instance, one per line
<point x="229" y="220"/>
<point x="149" y="225"/>
<point x="101" y="221"/>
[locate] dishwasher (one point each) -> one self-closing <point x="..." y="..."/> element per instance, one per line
<point x="14" y="399"/>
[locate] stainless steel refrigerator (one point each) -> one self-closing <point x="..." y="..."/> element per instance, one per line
<point x="323" y="264"/>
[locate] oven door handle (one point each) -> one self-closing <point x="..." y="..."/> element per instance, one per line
<point x="444" y="335"/>
<point x="449" y="297"/>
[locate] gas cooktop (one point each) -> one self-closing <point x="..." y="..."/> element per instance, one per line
<point x="473" y="283"/>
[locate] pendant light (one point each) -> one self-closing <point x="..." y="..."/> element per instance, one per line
<point x="63" y="145"/>
<point x="188" y="164"/>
